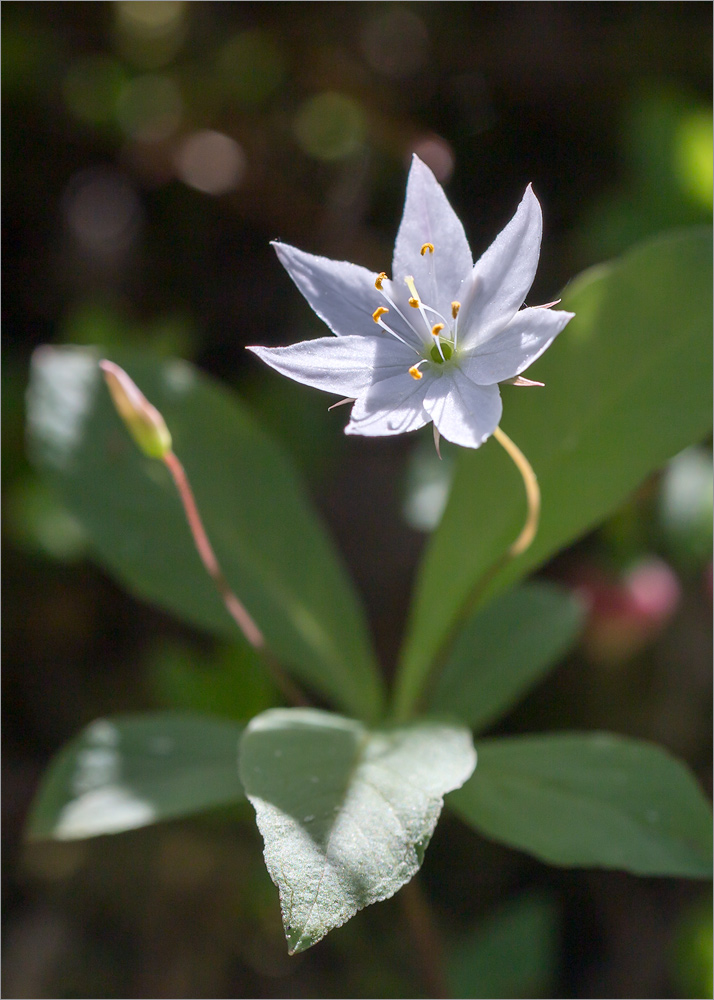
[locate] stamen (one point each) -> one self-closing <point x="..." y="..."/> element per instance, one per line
<point x="435" y="331"/>
<point x="380" y="278"/>
<point x="399" y="312"/>
<point x="377" y="317"/>
<point x="455" y="309"/>
<point x="341" y="402"/>
<point x="414" y="300"/>
<point x="415" y="373"/>
<point x="427" y="246"/>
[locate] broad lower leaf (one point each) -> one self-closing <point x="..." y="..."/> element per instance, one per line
<point x="504" y="649"/>
<point x="592" y="800"/>
<point x="627" y="385"/>
<point x="128" y="771"/>
<point x="345" y="813"/>
<point x="269" y="541"/>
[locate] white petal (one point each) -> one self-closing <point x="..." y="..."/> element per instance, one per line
<point x="464" y="413"/>
<point x="429" y="218"/>
<point x="502" y="278"/>
<point x="345" y="365"/>
<point x="342" y="294"/>
<point x="527" y="336"/>
<point x="393" y="406"/>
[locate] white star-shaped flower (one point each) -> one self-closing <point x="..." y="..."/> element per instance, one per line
<point x="433" y="342"/>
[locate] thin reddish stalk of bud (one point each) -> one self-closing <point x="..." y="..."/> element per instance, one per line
<point x="147" y="427"/>
<point x="208" y="557"/>
<point x="234" y="607"/>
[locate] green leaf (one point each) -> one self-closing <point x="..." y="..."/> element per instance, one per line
<point x="504" y="649"/>
<point x="628" y="385"/>
<point x="345" y="813"/>
<point x="229" y="682"/>
<point x="590" y="800"/>
<point x="513" y="953"/>
<point x="128" y="771"/>
<point x="269" y="541"/>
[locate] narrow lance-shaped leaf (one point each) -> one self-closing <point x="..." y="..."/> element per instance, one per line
<point x="269" y="542"/>
<point x="504" y="649"/>
<point x="627" y="386"/>
<point x="128" y="771"/>
<point x="592" y="800"/>
<point x="345" y="813"/>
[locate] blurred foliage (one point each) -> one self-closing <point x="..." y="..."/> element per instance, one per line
<point x="151" y="152"/>
<point x="512" y="954"/>
<point x="692" y="953"/>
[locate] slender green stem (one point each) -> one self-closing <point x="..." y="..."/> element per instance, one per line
<point x="411" y="703"/>
<point x="235" y="608"/>
<point x="530" y="481"/>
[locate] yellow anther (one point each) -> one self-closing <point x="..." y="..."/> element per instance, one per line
<point x="415" y="373"/>
<point x="414" y="300"/>
<point x="380" y="278"/>
<point x="378" y="313"/>
<point x="455" y="306"/>
<point x="427" y="246"/>
<point x="436" y="329"/>
<point x="414" y="303"/>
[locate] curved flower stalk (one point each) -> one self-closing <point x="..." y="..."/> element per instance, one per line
<point x="433" y="342"/>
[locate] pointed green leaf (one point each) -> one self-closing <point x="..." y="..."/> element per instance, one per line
<point x="269" y="541"/>
<point x="590" y="800"/>
<point x="128" y="771"/>
<point x="627" y="386"/>
<point x="504" y="649"/>
<point x="345" y="813"/>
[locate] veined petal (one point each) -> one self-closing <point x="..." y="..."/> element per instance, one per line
<point x="502" y="277"/>
<point x="345" y="365"/>
<point x="392" y="406"/>
<point x="530" y="332"/>
<point x="342" y="294"/>
<point x="429" y="218"/>
<point x="464" y="413"/>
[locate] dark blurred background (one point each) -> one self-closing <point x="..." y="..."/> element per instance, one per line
<point x="151" y="152"/>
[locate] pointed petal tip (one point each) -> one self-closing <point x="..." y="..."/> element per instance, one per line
<point x="530" y="195"/>
<point x="419" y="164"/>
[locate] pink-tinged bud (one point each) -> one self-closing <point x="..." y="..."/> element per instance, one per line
<point x="626" y="612"/>
<point x="143" y="421"/>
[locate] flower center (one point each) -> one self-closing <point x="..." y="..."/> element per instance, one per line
<point x="447" y="351"/>
<point x="436" y="348"/>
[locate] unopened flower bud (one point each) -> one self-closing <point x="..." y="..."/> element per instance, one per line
<point x="143" y="421"/>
